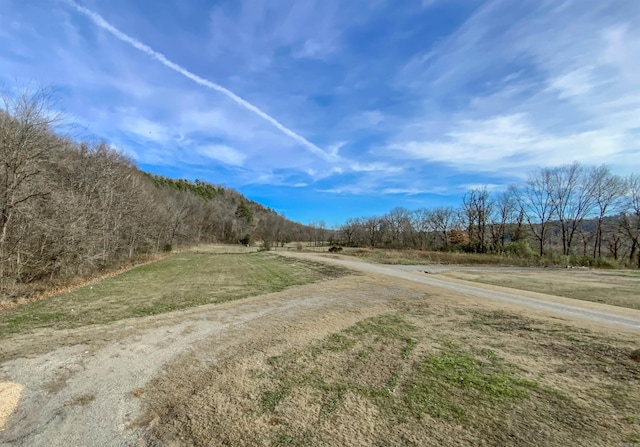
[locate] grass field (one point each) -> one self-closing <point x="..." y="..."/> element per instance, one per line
<point x="177" y="282"/>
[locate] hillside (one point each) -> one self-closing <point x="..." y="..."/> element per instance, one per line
<point x="72" y="209"/>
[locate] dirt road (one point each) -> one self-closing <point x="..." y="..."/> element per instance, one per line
<point x="610" y="315"/>
<point x="89" y="386"/>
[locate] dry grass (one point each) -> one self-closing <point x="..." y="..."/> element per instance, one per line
<point x="222" y="249"/>
<point x="615" y="287"/>
<point x="437" y="374"/>
<point x="419" y="257"/>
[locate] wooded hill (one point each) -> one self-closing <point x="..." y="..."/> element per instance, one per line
<point x="70" y="209"/>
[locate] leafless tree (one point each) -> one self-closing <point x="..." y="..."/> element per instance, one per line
<point x="421" y="222"/>
<point x="536" y="201"/>
<point x="398" y="224"/>
<point x="572" y="194"/>
<point x="373" y="229"/>
<point x="608" y="192"/>
<point x="631" y="217"/>
<point x="442" y="221"/>
<point x="506" y="211"/>
<point x="348" y="231"/>
<point x="26" y="121"/>
<point x="478" y="208"/>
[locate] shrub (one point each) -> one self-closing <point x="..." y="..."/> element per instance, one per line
<point x="521" y="249"/>
<point x="335" y="249"/>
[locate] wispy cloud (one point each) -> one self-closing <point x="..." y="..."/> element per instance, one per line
<point x="222" y="153"/>
<point x="102" y="23"/>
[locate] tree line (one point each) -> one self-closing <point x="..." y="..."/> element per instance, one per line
<point x="577" y="211"/>
<point x="70" y="209"/>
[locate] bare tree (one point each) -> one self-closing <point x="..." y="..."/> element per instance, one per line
<point x="608" y="191"/>
<point x="373" y="229"/>
<point x="422" y="225"/>
<point x="442" y="221"/>
<point x="348" y="231"/>
<point x="631" y="217"/>
<point x="506" y="211"/>
<point x="536" y="202"/>
<point x="572" y="194"/>
<point x="398" y="222"/>
<point x="478" y="208"/>
<point x="26" y="121"/>
<point x="321" y="232"/>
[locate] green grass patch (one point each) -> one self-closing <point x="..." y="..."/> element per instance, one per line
<point x="177" y="282"/>
<point x="440" y="380"/>
<point x="271" y="398"/>
<point x="338" y="342"/>
<point x="387" y="326"/>
<point x="378" y="359"/>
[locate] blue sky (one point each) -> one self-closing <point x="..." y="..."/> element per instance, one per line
<point x="330" y="109"/>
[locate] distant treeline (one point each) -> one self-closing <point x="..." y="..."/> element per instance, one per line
<point x="583" y="214"/>
<point x="70" y="209"/>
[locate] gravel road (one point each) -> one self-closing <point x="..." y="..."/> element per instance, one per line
<point x="424" y="274"/>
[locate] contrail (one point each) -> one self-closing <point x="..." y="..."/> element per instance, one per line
<point x="102" y="23"/>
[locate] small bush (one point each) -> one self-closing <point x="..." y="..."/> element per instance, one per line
<point x="521" y="249"/>
<point x="335" y="249"/>
<point x="167" y="248"/>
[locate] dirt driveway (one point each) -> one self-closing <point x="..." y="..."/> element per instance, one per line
<point x="88" y="386"/>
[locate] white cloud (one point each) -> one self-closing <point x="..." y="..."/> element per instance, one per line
<point x="374" y="166"/>
<point x="222" y="153"/>
<point x="510" y="145"/>
<point x="143" y="128"/>
<point x="574" y="83"/>
<point x="255" y="33"/>
<point x="407" y="191"/>
<point x="314" y="49"/>
<point x="573" y="92"/>
<point x="365" y="120"/>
